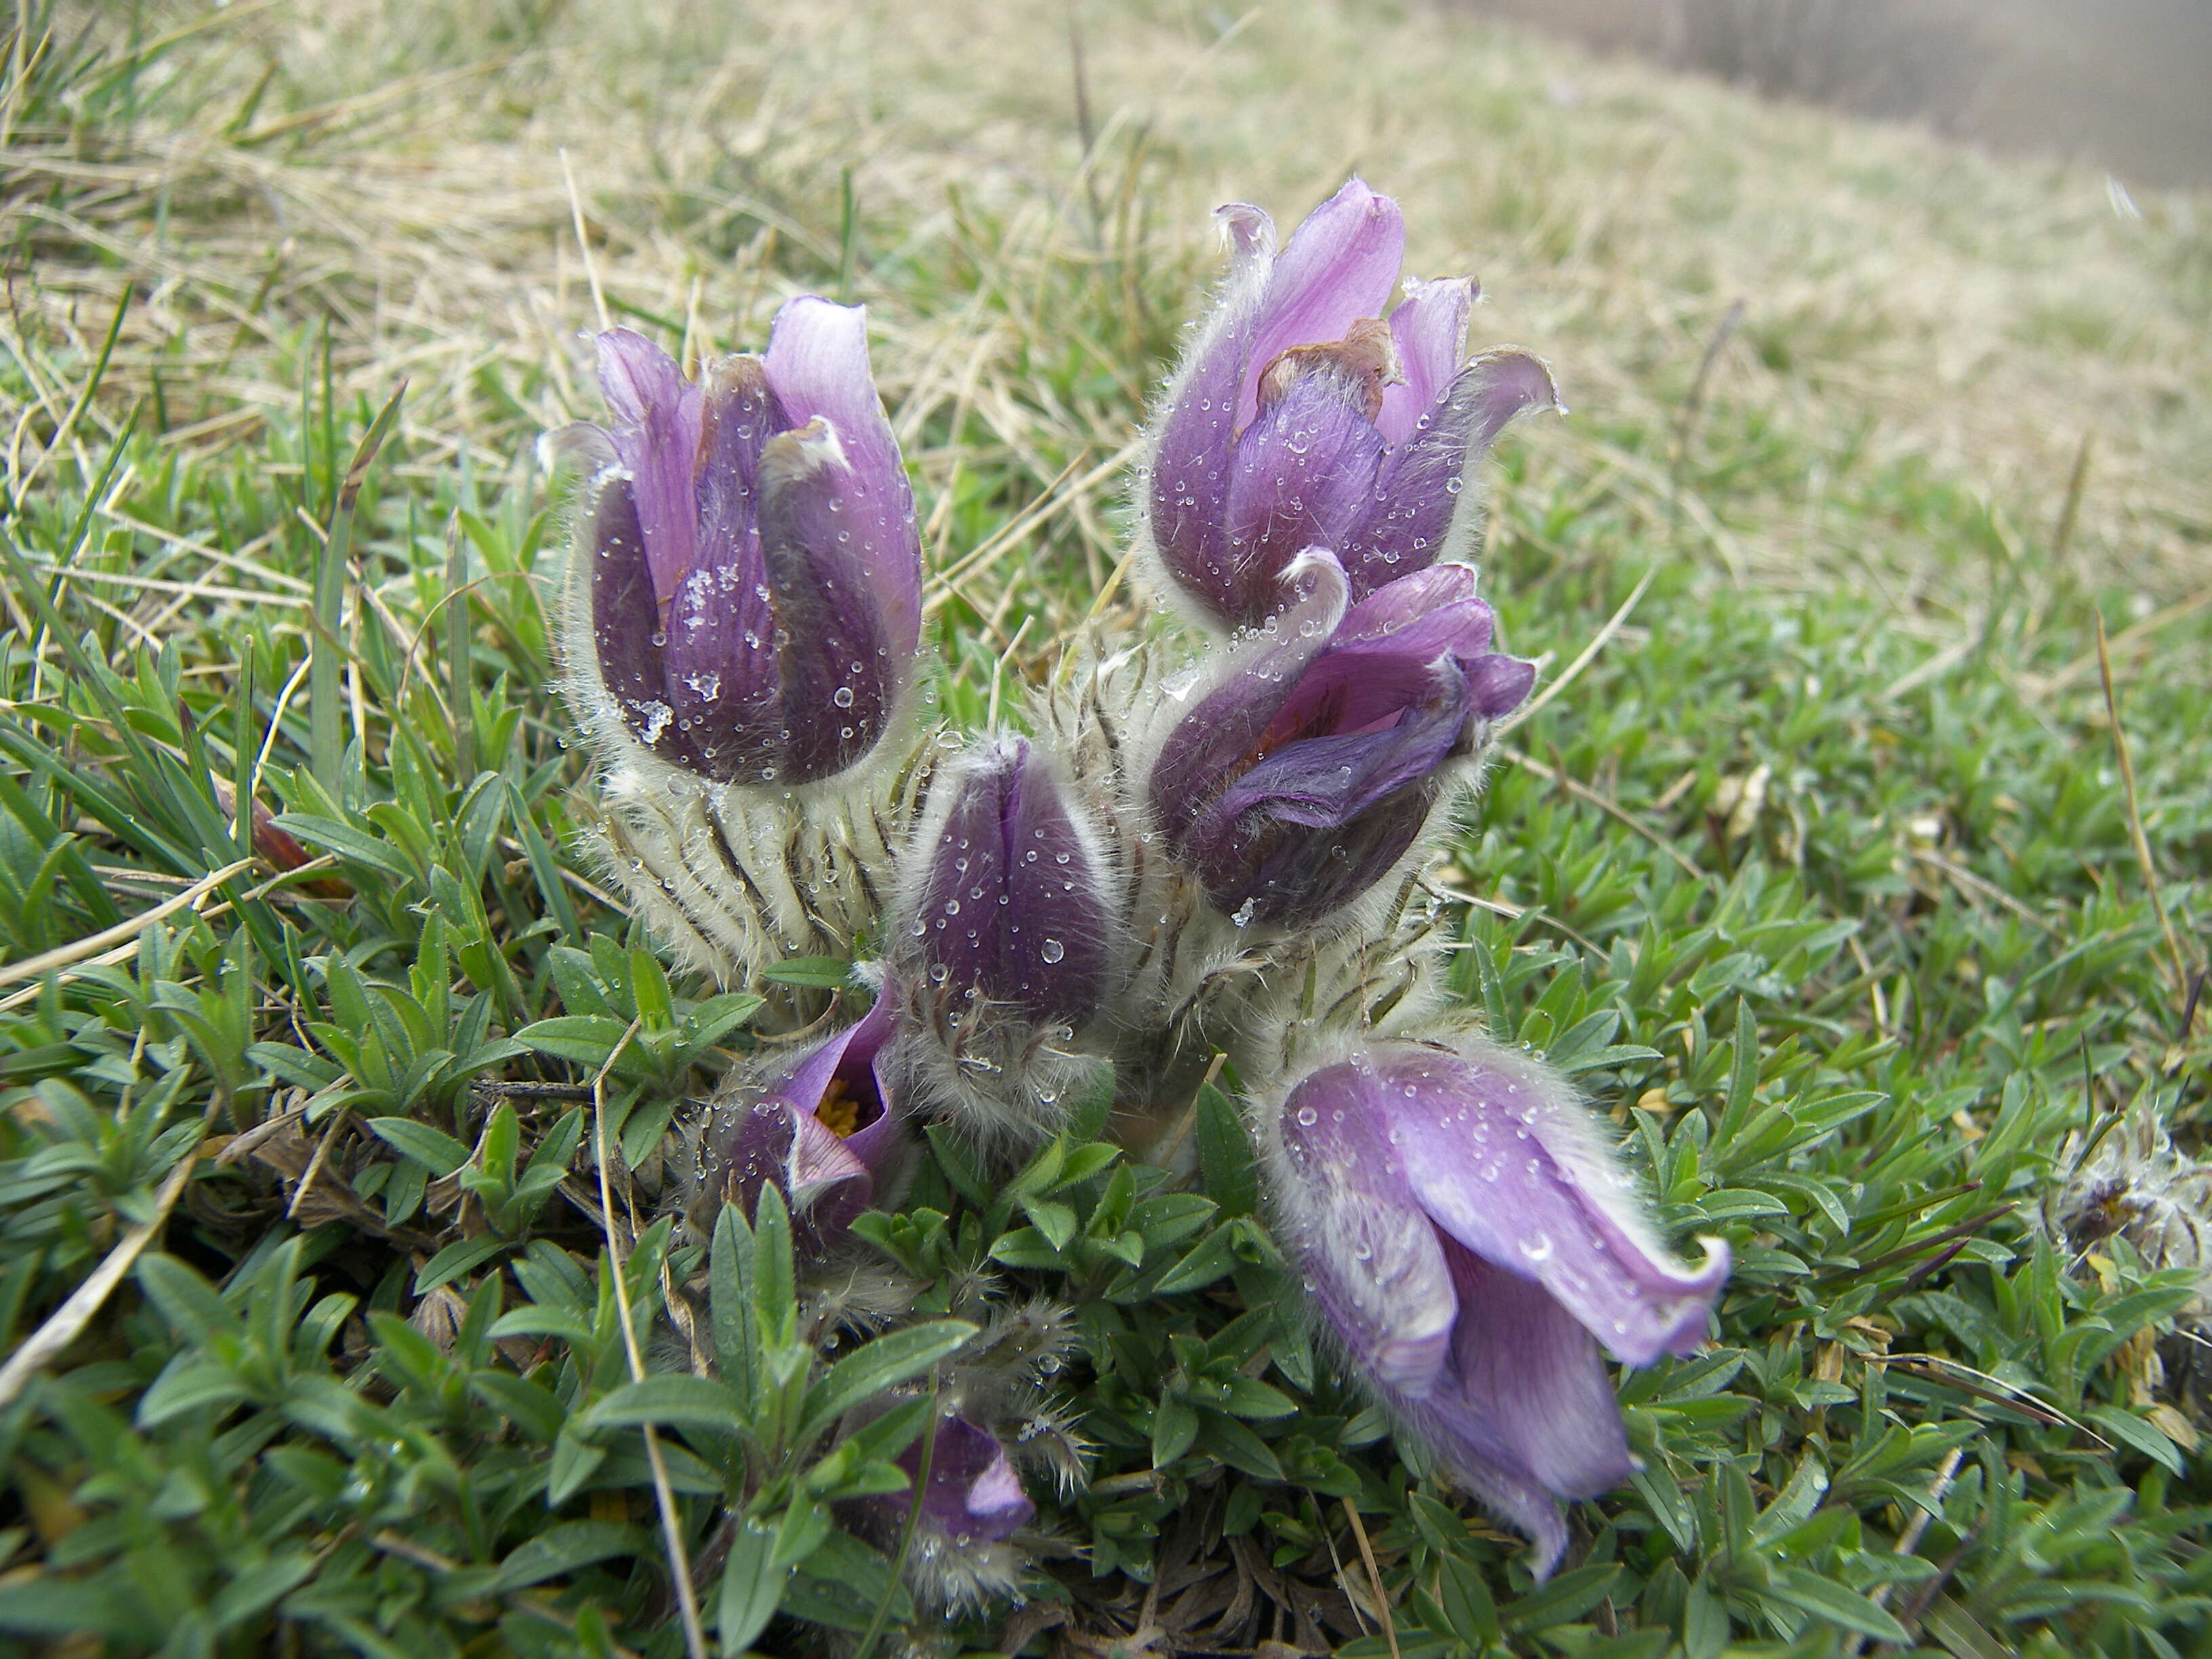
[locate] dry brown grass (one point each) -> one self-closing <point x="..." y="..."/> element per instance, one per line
<point x="400" y="173"/>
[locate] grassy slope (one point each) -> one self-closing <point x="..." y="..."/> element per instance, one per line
<point x="1909" y="957"/>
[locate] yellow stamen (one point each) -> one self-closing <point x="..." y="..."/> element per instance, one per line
<point x="837" y="1112"/>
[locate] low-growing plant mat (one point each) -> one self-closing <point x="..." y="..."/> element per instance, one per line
<point x="331" y="1079"/>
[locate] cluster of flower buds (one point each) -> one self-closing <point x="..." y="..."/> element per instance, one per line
<point x="1210" y="843"/>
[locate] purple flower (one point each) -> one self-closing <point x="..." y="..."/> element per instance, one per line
<point x="1300" y="418"/>
<point x="1473" y="1245"/>
<point x="1308" y="768"/>
<point x="755" y="577"/>
<point x="971" y="1505"/>
<point x="1013" y="905"/>
<point x="973" y="1491"/>
<point x="827" y="1130"/>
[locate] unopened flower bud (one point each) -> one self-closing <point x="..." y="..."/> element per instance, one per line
<point x="1014" y="906"/>
<point x="1005" y="940"/>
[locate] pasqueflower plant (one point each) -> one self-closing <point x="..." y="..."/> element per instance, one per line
<point x="1178" y="846"/>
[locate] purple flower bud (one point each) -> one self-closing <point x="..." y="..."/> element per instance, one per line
<point x="974" y="1492"/>
<point x="1013" y="906"/>
<point x="756" y="571"/>
<point x="971" y="1505"/>
<point x="1302" y="418"/>
<point x="1473" y="1245"/>
<point x="1310" y="766"/>
<point x="828" y="1130"/>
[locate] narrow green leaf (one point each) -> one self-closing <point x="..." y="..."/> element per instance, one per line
<point x="889" y="1360"/>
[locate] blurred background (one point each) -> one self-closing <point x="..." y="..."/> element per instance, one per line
<point x="2119" y="83"/>
<point x="1858" y="311"/>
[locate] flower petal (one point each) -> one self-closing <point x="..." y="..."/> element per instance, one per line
<point x="818" y="367"/>
<point x="777" y="1133"/>
<point x="1014" y="904"/>
<point x="1370" y="1255"/>
<point x="1429" y="330"/>
<point x="1504" y="1159"/>
<point x="973" y="1491"/>
<point x="841" y="666"/>
<point x="656" y="434"/>
<point x="723" y="679"/>
<point x="1247" y="681"/>
<point x="1340" y="266"/>
<point x="1393" y="605"/>
<point x="1303" y="476"/>
<point x="624" y="616"/>
<point x="1420" y="485"/>
<point x="1187" y="485"/>
<point x="1530" y="1392"/>
<point x="1500" y="684"/>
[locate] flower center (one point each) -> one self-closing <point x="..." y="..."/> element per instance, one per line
<point x="838" y="1112"/>
<point x="849" y="1104"/>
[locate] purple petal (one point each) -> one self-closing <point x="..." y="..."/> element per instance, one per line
<point x="1057" y="940"/>
<point x="1251" y="679"/>
<point x="1419" y="490"/>
<point x="1340" y="266"/>
<point x="1488" y="1368"/>
<point x="1503" y="1160"/>
<point x="1325" y="780"/>
<point x="781" y="1138"/>
<point x="1395" y="605"/>
<point x="1346" y="741"/>
<point x="1529" y="1390"/>
<point x="656" y="434"/>
<point x="1513" y="1497"/>
<point x="828" y="1185"/>
<point x="1290" y="875"/>
<point x="817" y="366"/>
<point x="879" y="1141"/>
<point x="839" y="665"/>
<point x="1371" y="1257"/>
<point x="1188" y="486"/>
<point x="1500" y="684"/>
<point x="1429" y="330"/>
<point x="1303" y="476"/>
<point x="723" y="679"/>
<point x="737" y="415"/>
<point x="624" y="617"/>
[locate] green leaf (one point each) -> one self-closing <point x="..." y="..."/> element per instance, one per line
<point x="1838" y="1604"/>
<point x="434" y="1150"/>
<point x="574" y="1461"/>
<point x="691" y="1402"/>
<point x="1567" y="1596"/>
<point x="565" y="1547"/>
<point x="1174" y="1429"/>
<point x="355" y="845"/>
<point x="814" y="973"/>
<point x="462" y="1255"/>
<point x="1225" y="1153"/>
<point x="752" y="1588"/>
<point x="1213" y="1258"/>
<point x="889" y="1360"/>
<point x="178" y="1392"/>
<point x="585" y="1040"/>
